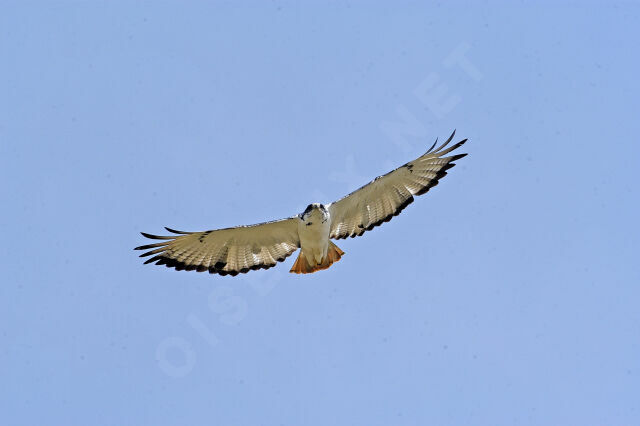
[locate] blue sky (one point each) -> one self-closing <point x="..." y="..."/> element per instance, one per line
<point x="506" y="295"/>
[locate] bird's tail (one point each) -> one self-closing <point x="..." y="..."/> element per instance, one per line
<point x="301" y="266"/>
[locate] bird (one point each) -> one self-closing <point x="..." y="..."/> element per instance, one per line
<point x="238" y="250"/>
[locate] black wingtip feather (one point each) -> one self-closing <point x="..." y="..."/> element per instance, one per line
<point x="153" y="259"/>
<point x="452" y="135"/>
<point x="432" y="146"/>
<point x="173" y="231"/>
<point x="459" y="156"/>
<point x="458" y="145"/>
<point x="156" y="251"/>
<point x="441" y="147"/>
<point x="156" y="237"/>
<point x="150" y="246"/>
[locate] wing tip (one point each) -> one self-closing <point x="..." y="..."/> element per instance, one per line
<point x="432" y="146"/>
<point x="173" y="231"/>
<point x="449" y="139"/>
<point x="458" y="156"/>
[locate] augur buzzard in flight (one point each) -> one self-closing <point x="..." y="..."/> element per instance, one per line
<point x="237" y="250"/>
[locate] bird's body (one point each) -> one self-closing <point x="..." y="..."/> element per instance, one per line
<point x="237" y="250"/>
<point x="317" y="252"/>
<point x="313" y="228"/>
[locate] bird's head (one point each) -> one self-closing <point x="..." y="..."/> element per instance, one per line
<point x="314" y="210"/>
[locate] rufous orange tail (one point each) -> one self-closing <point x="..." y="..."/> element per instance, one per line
<point x="301" y="265"/>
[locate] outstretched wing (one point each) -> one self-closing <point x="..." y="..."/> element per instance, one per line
<point x="226" y="251"/>
<point x="387" y="195"/>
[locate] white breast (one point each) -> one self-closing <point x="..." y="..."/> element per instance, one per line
<point x="314" y="236"/>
